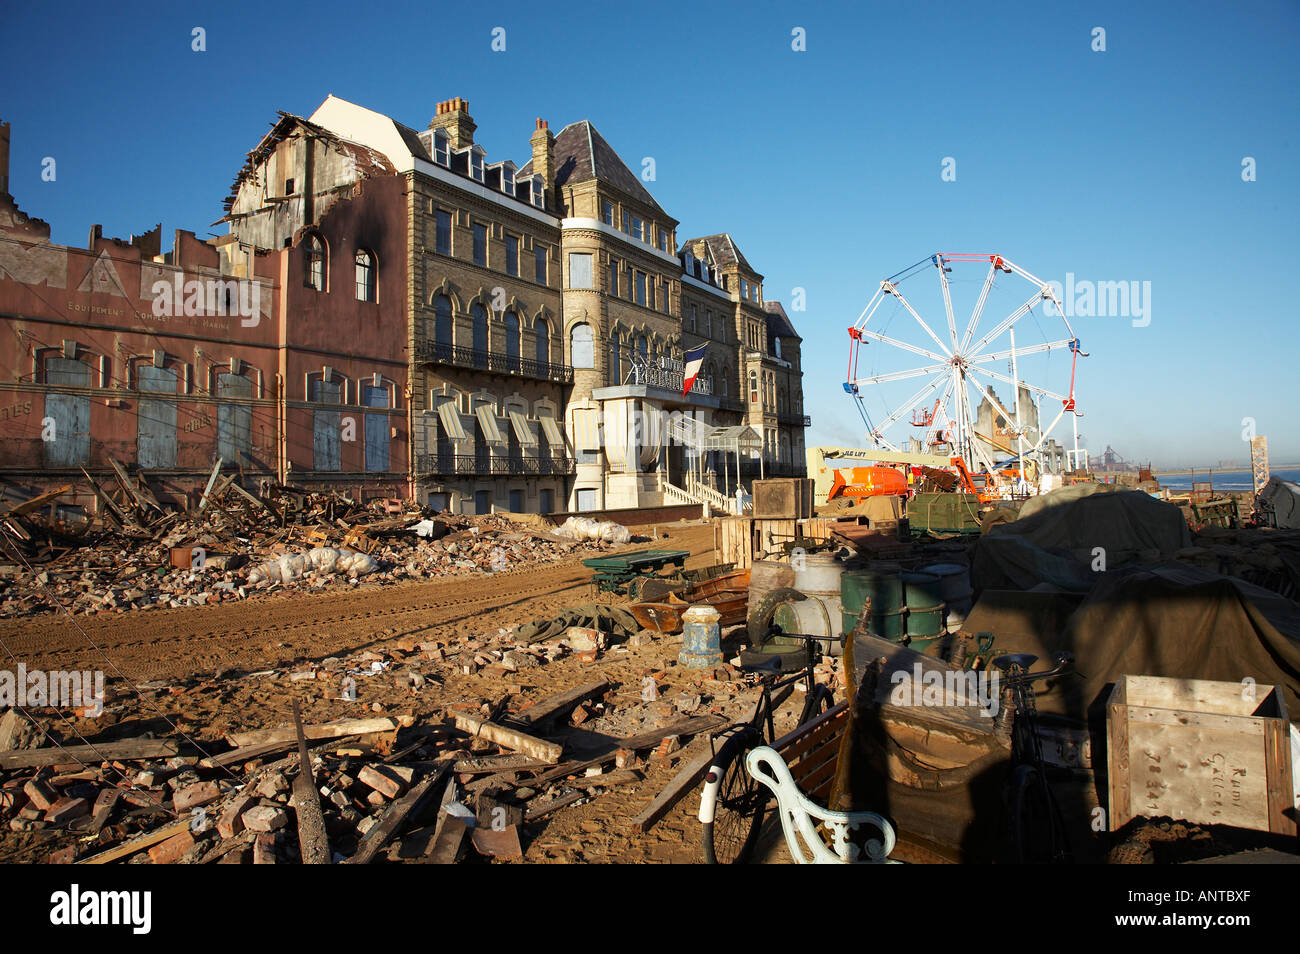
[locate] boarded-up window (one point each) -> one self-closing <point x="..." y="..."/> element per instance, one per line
<point x="582" y="347"/>
<point x="156" y="419"/>
<point x="478" y="319"/>
<point x="234" y="418"/>
<point x="543" y="332"/>
<point x="512" y="341"/>
<point x="326" y="424"/>
<point x="69" y="442"/>
<point x="442" y="325"/>
<point x="580" y="270"/>
<point x="377" y="429"/>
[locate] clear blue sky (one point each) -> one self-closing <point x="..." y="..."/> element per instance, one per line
<point x="824" y="164"/>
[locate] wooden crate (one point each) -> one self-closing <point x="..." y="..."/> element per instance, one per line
<point x="783" y="498"/>
<point x="1210" y="753"/>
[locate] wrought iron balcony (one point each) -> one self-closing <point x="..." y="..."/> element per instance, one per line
<point x="435" y="352"/>
<point x="475" y="465"/>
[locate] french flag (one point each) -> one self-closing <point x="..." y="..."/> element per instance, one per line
<point x="694" y="361"/>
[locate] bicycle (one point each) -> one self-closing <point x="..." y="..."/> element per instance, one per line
<point x="733" y="803"/>
<point x="1036" y="829"/>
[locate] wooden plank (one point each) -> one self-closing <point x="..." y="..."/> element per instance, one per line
<point x="490" y="765"/>
<point x="687" y="727"/>
<point x="683" y="782"/>
<point x="144" y="841"/>
<point x="313" y="842"/>
<point x="561" y="703"/>
<point x="447" y="845"/>
<point x="35" y="503"/>
<point x="212" y="479"/>
<point x="519" y="741"/>
<point x="814" y="739"/>
<point x="395" y="816"/>
<point x="326" y="730"/>
<point x="834" y="712"/>
<point x="537" y="810"/>
<point x="570" y="768"/>
<point x="127" y="751"/>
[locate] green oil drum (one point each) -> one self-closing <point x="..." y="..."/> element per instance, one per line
<point x="924" y="608"/>
<point x="884" y="625"/>
<point x="882" y="584"/>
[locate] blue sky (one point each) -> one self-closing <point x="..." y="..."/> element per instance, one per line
<point x="1123" y="165"/>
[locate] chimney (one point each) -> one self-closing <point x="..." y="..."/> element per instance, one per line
<point x="453" y="116"/>
<point x="543" y="143"/>
<point x="4" y="157"/>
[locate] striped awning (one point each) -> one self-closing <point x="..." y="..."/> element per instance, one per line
<point x="488" y="422"/>
<point x="450" y="418"/>
<point x="522" y="430"/>
<point x="551" y="428"/>
<point x="586" y="432"/>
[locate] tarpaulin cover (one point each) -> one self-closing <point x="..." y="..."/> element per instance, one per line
<point x="1057" y="543"/>
<point x="1284" y="497"/>
<point x="1169" y="620"/>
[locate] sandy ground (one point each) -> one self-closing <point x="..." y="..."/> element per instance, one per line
<point x="205" y="670"/>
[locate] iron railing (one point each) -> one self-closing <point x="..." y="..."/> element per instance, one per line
<point x="473" y="465"/>
<point x="435" y="352"/>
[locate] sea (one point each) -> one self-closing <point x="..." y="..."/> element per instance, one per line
<point x="1225" y="480"/>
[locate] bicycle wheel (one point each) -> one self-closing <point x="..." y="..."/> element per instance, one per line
<point x="1037" y="829"/>
<point x="819" y="700"/>
<point x="732" y="804"/>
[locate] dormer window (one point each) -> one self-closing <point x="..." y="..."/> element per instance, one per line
<point x="744" y="289"/>
<point x="688" y="264"/>
<point x="663" y="241"/>
<point x="538" y="197"/>
<point x="475" y="157"/>
<point x="508" y="178"/>
<point x="442" y="148"/>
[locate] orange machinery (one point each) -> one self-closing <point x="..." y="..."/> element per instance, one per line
<point x="868" y="482"/>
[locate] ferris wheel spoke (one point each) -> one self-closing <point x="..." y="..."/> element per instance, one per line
<point x="919" y="320"/>
<point x="1006" y="323"/>
<point x="907" y="408"/>
<point x="947" y="301"/>
<point x="1006" y="379"/>
<point x="877" y="336"/>
<point x="901" y="375"/>
<point x="979" y="308"/>
<point x="1017" y="352"/>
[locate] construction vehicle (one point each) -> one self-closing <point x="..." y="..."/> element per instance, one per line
<point x="857" y="482"/>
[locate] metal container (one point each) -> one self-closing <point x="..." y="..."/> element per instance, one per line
<point x="924" y="608"/>
<point x="701" y="638"/>
<point x="883" y="625"/>
<point x="954" y="590"/>
<point x="883" y="584"/>
<point x="818" y="574"/>
<point x="814" y="616"/>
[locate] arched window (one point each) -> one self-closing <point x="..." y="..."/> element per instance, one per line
<point x="543" y="332"/>
<point x="615" y="372"/>
<point x="478" y="318"/>
<point x="442" y="326"/>
<point x="512" y="341"/>
<point x="314" y="263"/>
<point x="724" y="387"/>
<point x="643" y="346"/>
<point x="582" y="347"/>
<point x="366" y="277"/>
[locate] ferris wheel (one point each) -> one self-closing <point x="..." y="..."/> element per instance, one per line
<point x="963" y="370"/>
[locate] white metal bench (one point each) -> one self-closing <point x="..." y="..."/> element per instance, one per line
<point x="801" y="816"/>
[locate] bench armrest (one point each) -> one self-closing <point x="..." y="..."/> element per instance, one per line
<point x="800" y="817"/>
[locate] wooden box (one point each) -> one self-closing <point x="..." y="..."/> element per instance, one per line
<point x="1210" y="753"/>
<point x="783" y="498"/>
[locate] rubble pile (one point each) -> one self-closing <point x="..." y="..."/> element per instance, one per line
<point x="138" y="554"/>
<point x="471" y="778"/>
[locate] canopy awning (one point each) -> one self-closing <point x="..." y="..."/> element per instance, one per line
<point x="522" y="431"/>
<point x="487" y="422"/>
<point x="450" y="419"/>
